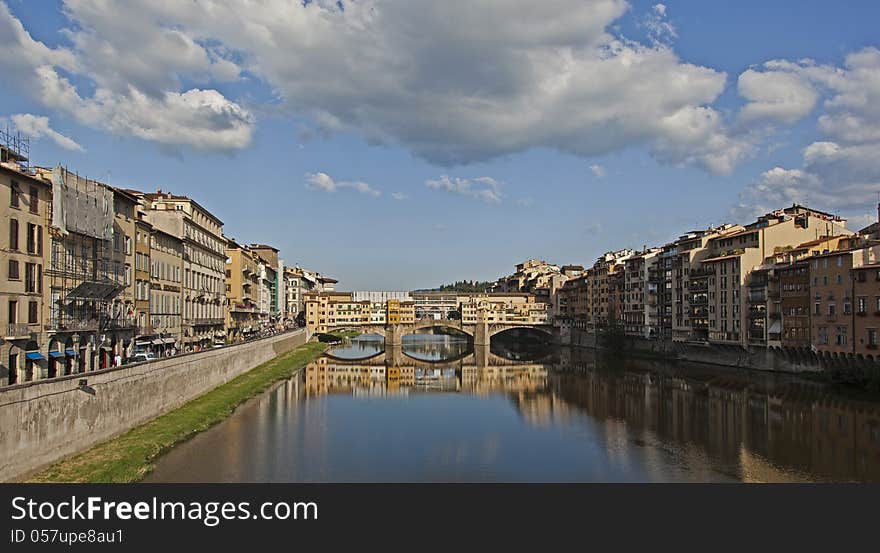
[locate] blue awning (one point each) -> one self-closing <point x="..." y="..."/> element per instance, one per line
<point x="55" y="354"/>
<point x="34" y="355"/>
<point x="71" y="352"/>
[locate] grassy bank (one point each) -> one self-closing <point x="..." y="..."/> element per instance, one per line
<point x="130" y="457"/>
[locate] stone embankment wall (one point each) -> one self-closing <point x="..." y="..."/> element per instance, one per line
<point x="758" y="358"/>
<point x="46" y="420"/>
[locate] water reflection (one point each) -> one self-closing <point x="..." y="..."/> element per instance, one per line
<point x="578" y="417"/>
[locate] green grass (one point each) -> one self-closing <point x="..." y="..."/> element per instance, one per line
<point x="128" y="458"/>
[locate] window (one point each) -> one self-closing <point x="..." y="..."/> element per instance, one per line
<point x="12" y="312"/>
<point x="847" y="308"/>
<point x="13" y="270"/>
<point x="30" y="277"/>
<point x="35" y="200"/>
<point x="13" y="234"/>
<point x="31" y="238"/>
<point x="818" y="310"/>
<point x="832" y="309"/>
<point x="862" y="304"/>
<point x="841" y="336"/>
<point x="14" y="195"/>
<point x="33" y="312"/>
<point x="823" y="335"/>
<point x="872" y="336"/>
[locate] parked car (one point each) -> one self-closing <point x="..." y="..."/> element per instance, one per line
<point x="141" y="358"/>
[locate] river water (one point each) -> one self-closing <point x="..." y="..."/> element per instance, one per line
<point x="439" y="411"/>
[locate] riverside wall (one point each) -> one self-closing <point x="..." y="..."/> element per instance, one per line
<point x="793" y="360"/>
<point x="43" y="421"/>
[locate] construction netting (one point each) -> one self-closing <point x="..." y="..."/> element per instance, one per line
<point x="81" y="205"/>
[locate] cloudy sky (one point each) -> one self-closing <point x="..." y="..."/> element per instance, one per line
<point x="400" y="144"/>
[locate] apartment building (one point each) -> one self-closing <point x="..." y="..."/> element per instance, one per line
<point x="662" y="275"/>
<point x="866" y="294"/>
<point x="504" y="308"/>
<point x="683" y="320"/>
<point x="242" y="283"/>
<point x="89" y="276"/>
<point x="733" y="256"/>
<point x="436" y="305"/>
<point x="143" y="238"/>
<point x="640" y="295"/>
<point x="298" y="283"/>
<point x="204" y="264"/>
<point x="271" y="288"/>
<point x="529" y="276"/>
<point x="833" y="276"/>
<point x="24" y="205"/>
<point x="166" y="293"/>
<point x="794" y="292"/>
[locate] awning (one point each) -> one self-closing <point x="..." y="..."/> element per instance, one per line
<point x="71" y="352"/>
<point x="55" y="354"/>
<point x="95" y="291"/>
<point x="775" y="328"/>
<point x="158" y="342"/>
<point x="34" y="355"/>
<point x="143" y="342"/>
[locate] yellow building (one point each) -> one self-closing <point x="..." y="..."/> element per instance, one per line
<point x="24" y="205"/>
<point x="242" y="283"/>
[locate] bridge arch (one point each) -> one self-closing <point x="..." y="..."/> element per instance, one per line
<point x="495" y="329"/>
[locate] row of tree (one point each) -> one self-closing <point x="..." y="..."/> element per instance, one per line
<point x="467" y="286"/>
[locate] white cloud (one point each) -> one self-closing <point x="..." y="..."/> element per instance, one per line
<point x="399" y="196"/>
<point x="122" y="102"/>
<point x="660" y="30"/>
<point x="485" y="189"/>
<point x="454" y="82"/>
<point x="776" y="95"/>
<point x="525" y="202"/>
<point x="840" y="172"/>
<point x="598" y="171"/>
<point x="325" y="183"/>
<point x="35" y="126"/>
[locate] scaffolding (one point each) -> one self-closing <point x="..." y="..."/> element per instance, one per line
<point x="84" y="279"/>
<point x="15" y="148"/>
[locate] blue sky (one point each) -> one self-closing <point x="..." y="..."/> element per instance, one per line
<point x="399" y="145"/>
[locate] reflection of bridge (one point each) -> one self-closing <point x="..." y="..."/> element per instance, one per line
<point x="479" y="356"/>
<point x="480" y="332"/>
<point x="328" y="376"/>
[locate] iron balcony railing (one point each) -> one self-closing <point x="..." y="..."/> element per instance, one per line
<point x="17" y="330"/>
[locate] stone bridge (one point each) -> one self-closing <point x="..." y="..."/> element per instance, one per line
<point x="480" y="332"/>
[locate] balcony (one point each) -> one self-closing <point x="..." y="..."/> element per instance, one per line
<point x="702" y="273"/>
<point x="205" y="322"/>
<point x="18" y="331"/>
<point x="757" y="298"/>
<point x="73" y="325"/>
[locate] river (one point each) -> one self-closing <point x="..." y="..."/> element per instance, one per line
<point x="442" y="412"/>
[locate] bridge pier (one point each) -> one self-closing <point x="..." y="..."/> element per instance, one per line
<point x="481" y="355"/>
<point x="481" y="334"/>
<point x="393" y="336"/>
